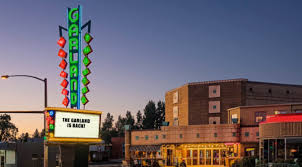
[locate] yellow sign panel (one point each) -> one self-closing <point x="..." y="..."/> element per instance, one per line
<point x="72" y="125"/>
<point x="250" y="149"/>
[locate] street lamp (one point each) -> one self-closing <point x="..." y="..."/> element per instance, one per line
<point x="45" y="105"/>
<point x="30" y="76"/>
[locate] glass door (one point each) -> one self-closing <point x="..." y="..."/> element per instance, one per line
<point x="195" y="157"/>
<point x="189" y="157"/>
<point x="208" y="157"/>
<point x="2" y="161"/>
<point x="201" y="157"/>
<point x="215" y="157"/>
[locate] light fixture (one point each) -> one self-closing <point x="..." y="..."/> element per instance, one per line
<point x="4" y="76"/>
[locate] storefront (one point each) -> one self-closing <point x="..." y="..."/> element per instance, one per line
<point x="208" y="154"/>
<point x="281" y="138"/>
<point x="145" y="155"/>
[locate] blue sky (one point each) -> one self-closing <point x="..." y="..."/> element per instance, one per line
<point x="143" y="48"/>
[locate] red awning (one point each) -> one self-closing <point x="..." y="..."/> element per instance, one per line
<point x="295" y="117"/>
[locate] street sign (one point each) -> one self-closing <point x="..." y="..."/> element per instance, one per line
<point x="72" y="125"/>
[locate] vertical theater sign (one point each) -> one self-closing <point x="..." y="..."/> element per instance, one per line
<point x="71" y="123"/>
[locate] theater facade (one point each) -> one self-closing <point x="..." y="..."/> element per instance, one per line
<point x="211" y="123"/>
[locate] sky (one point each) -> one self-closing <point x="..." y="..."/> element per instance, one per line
<point x="143" y="48"/>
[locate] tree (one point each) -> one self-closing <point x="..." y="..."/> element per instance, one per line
<point x="107" y="128"/>
<point x="149" y="116"/>
<point x="24" y="137"/>
<point x="36" y="134"/>
<point x="119" y="125"/>
<point x="121" y="122"/>
<point x="8" y="130"/>
<point x="139" y="120"/>
<point x="129" y="119"/>
<point x="42" y="134"/>
<point x="159" y="114"/>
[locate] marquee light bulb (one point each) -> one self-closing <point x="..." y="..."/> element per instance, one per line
<point x="87" y="50"/>
<point x="51" y="127"/>
<point x="85" y="90"/>
<point x="63" y="64"/>
<point x="64" y="83"/>
<point x="88" y="38"/>
<point x="61" y="42"/>
<point x="65" y="101"/>
<point x="62" y="53"/>
<point x="51" y="113"/>
<point x="63" y="74"/>
<point x="84" y="100"/>
<point x="64" y="92"/>
<point x="85" y="81"/>
<point x="86" y="61"/>
<point x="86" y="71"/>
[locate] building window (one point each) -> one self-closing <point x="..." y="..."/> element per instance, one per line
<point x="214" y="106"/>
<point x="146" y="137"/>
<point x="164" y="136"/>
<point x="175" y="97"/>
<point x="234" y="118"/>
<point x="175" y="122"/>
<point x="215" y="134"/>
<point x="257" y="133"/>
<point x="287" y="91"/>
<point x="136" y="137"/>
<point x="246" y="134"/>
<point x="251" y="89"/>
<point x="260" y="116"/>
<point x="234" y="134"/>
<point x="197" y="135"/>
<point x="175" y="115"/>
<point x="269" y="90"/>
<point x="214" y="91"/>
<point x="180" y="136"/>
<point x="156" y="137"/>
<point x="298" y="111"/>
<point x="214" y="120"/>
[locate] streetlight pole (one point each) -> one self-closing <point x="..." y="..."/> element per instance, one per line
<point x="30" y="76"/>
<point x="45" y="105"/>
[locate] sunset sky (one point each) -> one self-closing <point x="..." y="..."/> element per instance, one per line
<point x="143" y="48"/>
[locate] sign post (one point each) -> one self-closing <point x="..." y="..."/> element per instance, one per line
<point x="73" y="129"/>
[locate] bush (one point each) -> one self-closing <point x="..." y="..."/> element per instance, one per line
<point x="245" y="162"/>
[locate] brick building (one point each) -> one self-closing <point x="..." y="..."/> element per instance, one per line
<point x="211" y="123"/>
<point x="207" y="102"/>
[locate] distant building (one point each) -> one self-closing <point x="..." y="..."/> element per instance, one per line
<point x="117" y="149"/>
<point x="211" y="123"/>
<point x="27" y="154"/>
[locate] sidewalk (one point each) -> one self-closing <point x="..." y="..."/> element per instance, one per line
<point x="111" y="163"/>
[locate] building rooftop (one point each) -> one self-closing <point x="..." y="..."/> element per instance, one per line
<point x="232" y="80"/>
<point x="266" y="105"/>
